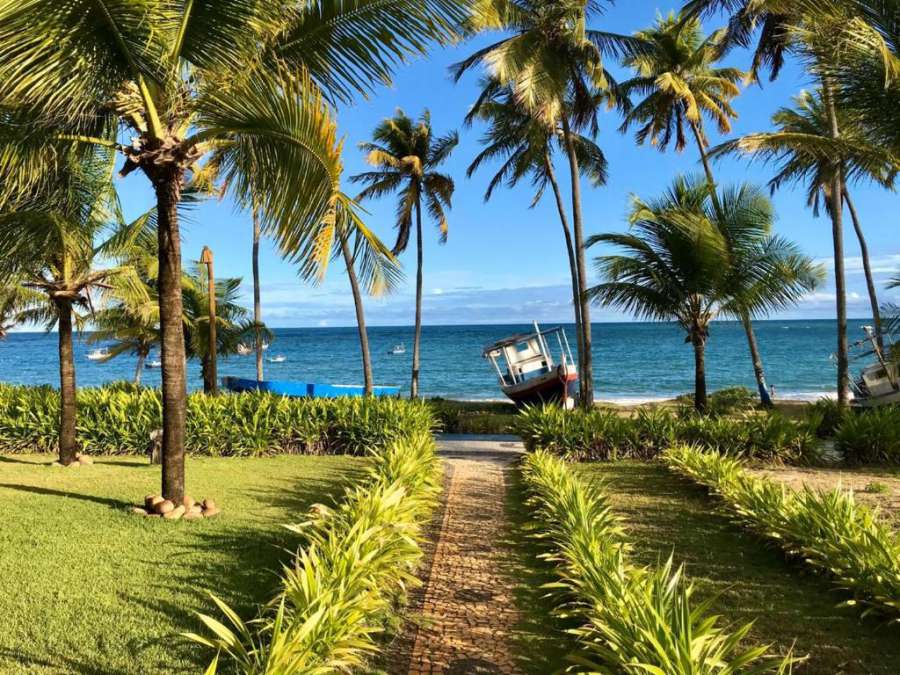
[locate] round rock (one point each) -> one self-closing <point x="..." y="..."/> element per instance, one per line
<point x="174" y="514"/>
<point x="165" y="506"/>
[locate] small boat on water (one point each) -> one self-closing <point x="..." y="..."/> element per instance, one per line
<point x="531" y="376"/>
<point x="878" y="383"/>
<point x="155" y="363"/>
<point x="397" y="350"/>
<point x="98" y="354"/>
<point x="278" y="358"/>
<point x="304" y="389"/>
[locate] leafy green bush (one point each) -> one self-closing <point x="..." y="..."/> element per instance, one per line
<point x="345" y="584"/>
<point x="473" y="417"/>
<point x="825" y="416"/>
<point x="117" y="420"/>
<point x="870" y="436"/>
<point x="828" y="531"/>
<point x="633" y="619"/>
<point x="724" y="401"/>
<point x="602" y="435"/>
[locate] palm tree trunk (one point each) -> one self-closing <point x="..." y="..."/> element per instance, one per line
<point x="368" y="382"/>
<point x="867" y="268"/>
<point x="68" y="444"/>
<point x="699" y="372"/>
<point x="837" y="233"/>
<point x="205" y="373"/>
<point x="587" y="370"/>
<point x="758" y="370"/>
<point x="257" y="305"/>
<point x="174" y="386"/>
<point x="139" y="369"/>
<point x="417" y="338"/>
<point x="570" y="250"/>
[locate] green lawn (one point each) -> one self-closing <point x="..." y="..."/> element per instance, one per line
<point x="87" y="587"/>
<point x="664" y="512"/>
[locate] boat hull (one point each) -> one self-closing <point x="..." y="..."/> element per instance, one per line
<point x="557" y="386"/>
<point x="304" y="389"/>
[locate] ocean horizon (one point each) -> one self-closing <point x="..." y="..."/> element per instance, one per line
<point x="634" y="362"/>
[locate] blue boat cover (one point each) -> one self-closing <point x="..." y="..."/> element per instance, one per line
<point x="304" y="389"/>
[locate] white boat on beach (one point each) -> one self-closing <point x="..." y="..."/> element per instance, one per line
<point x="98" y="354"/>
<point x="879" y="382"/>
<point x="531" y="376"/>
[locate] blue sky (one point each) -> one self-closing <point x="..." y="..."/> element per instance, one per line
<point x="504" y="262"/>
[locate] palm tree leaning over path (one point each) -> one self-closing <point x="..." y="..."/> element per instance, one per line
<point x="48" y="240"/>
<point x="681" y="262"/>
<point x="822" y="33"/>
<point x="553" y="64"/>
<point x="803" y="151"/>
<point x="241" y="82"/>
<point x="526" y="146"/>
<point x="681" y="85"/>
<point x="406" y="154"/>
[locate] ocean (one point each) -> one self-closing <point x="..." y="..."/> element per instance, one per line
<point x="633" y="362"/>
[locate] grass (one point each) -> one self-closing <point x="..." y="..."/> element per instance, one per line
<point x="87" y="587"/>
<point x="753" y="582"/>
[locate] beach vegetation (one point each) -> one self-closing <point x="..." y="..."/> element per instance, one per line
<point x="233" y="92"/>
<point x="120" y="420"/>
<point x="690" y="258"/>
<point x="405" y="155"/>
<point x="346" y="582"/>
<point x="629" y="617"/>
<point x="828" y="532"/>
<point x="870" y="436"/>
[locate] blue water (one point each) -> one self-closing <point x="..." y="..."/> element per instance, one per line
<point x="632" y="361"/>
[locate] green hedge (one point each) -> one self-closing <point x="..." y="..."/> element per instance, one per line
<point x="119" y="420"/>
<point x="344" y="587"/>
<point x="828" y="531"/>
<point x="870" y="436"/>
<point x="631" y="619"/>
<point x="603" y="434"/>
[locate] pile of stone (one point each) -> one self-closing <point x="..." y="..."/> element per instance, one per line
<point x="156" y="506"/>
<point x="80" y="460"/>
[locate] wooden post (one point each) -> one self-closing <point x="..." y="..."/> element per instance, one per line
<point x="206" y="258"/>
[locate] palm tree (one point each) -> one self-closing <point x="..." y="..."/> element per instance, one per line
<point x="823" y="33"/>
<point x="130" y="330"/>
<point x="804" y="151"/>
<point x="258" y="325"/>
<point x="406" y="155"/>
<point x="677" y="75"/>
<point x="48" y="240"/>
<point x="240" y="84"/>
<point x="553" y="64"/>
<point x="526" y="146"/>
<point x="13" y="299"/>
<point x="680" y="262"/>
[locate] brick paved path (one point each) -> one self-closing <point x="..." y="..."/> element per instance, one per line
<point x="467" y="610"/>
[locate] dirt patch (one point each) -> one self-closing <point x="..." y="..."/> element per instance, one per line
<point x="874" y="487"/>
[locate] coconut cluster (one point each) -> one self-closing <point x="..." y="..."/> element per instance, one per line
<point x="80" y="459"/>
<point x="157" y="506"/>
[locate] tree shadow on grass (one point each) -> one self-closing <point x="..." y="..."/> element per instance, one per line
<point x="59" y="663"/>
<point x="752" y="581"/>
<point x="13" y="460"/>
<point x="49" y="492"/>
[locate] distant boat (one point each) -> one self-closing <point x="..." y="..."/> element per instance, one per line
<point x="245" y="350"/>
<point x="397" y="350"/>
<point x="99" y="354"/>
<point x="278" y="358"/>
<point x="305" y="389"/>
<point x="531" y="375"/>
<point x="155" y="363"/>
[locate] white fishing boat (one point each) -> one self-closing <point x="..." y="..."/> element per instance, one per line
<point x="878" y="382"/>
<point x="278" y="358"/>
<point x="531" y="376"/>
<point x="98" y="354"/>
<point x="397" y="350"/>
<point x="155" y="363"/>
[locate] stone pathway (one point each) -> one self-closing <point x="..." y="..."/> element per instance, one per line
<point x="466" y="611"/>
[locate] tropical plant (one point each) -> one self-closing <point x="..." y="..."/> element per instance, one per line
<point x="681" y="84"/>
<point x="870" y="437"/>
<point x="406" y="155"/>
<point x="827" y="531"/>
<point x="13" y="299"/>
<point x="48" y="238"/>
<point x="554" y="65"/>
<point x="689" y="259"/>
<point x="526" y="145"/>
<point x="803" y="150"/>
<point x="632" y="619"/>
<point x="346" y="583"/>
<point x="241" y="85"/>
